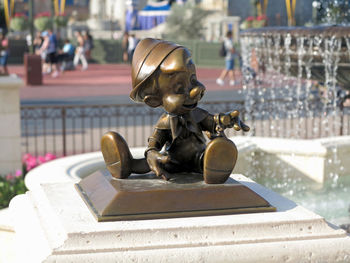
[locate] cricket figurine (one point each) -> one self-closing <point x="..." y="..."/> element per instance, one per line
<point x="163" y="75"/>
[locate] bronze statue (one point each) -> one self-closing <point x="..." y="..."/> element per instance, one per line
<point x="163" y="75"/>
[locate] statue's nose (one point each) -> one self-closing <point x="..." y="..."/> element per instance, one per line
<point x="197" y="92"/>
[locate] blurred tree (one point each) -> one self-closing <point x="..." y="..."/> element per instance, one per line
<point x="19" y="22"/>
<point x="185" y="22"/>
<point x="43" y="21"/>
<point x="332" y="11"/>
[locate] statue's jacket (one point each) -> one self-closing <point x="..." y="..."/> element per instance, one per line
<point x="183" y="137"/>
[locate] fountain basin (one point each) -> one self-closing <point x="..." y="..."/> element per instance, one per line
<point x="294" y="168"/>
<point x="62" y="229"/>
<point x="313" y="173"/>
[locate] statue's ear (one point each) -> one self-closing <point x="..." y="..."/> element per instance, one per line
<point x="153" y="101"/>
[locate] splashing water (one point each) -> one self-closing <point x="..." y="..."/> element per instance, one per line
<point x="294" y="94"/>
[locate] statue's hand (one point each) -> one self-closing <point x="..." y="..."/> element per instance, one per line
<point x="237" y="123"/>
<point x="156" y="161"/>
<point x="231" y="119"/>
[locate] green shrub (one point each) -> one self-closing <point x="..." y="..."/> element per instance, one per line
<point x="42" y="23"/>
<point x="19" y="23"/>
<point x="10" y="186"/>
<point x="61" y="21"/>
<point x="13" y="183"/>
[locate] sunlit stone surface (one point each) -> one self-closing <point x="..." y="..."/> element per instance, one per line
<point x="10" y="132"/>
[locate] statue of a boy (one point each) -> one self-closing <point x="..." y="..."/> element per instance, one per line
<point x="163" y="74"/>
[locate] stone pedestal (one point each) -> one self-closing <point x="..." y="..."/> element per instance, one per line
<point x="10" y="131"/>
<point x="53" y="224"/>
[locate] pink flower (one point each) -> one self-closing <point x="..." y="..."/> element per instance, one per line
<point x="10" y="177"/>
<point x="31" y="163"/>
<point x="20" y="15"/>
<point x="50" y="157"/>
<point x="42" y="14"/>
<point x="26" y="157"/>
<point x="41" y="159"/>
<point x="46" y="158"/>
<point x="18" y="173"/>
<point x="250" y="18"/>
<point x="262" y="17"/>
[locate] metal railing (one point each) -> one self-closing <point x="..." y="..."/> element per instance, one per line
<point x="66" y="130"/>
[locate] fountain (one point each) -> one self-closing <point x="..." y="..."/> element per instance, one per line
<point x="298" y="90"/>
<point x="62" y="228"/>
<point x="320" y="53"/>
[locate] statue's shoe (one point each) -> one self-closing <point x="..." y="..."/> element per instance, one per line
<point x="116" y="154"/>
<point x="220" y="158"/>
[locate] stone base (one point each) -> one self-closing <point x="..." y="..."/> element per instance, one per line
<point x="150" y="197"/>
<point x="7" y="237"/>
<point x="53" y="224"/>
<point x="10" y="119"/>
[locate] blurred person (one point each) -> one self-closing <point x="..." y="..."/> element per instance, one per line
<point x="88" y="44"/>
<point x="229" y="61"/>
<point x="51" y="56"/>
<point x="79" y="52"/>
<point x="68" y="48"/>
<point x="125" y="44"/>
<point x="38" y="42"/>
<point x="28" y="42"/>
<point x="132" y="43"/>
<point x="4" y="53"/>
<point x="66" y="56"/>
<point x="42" y="51"/>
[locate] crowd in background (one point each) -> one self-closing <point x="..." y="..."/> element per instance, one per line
<point x="56" y="59"/>
<point x="59" y="56"/>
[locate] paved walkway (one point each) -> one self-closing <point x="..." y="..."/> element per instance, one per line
<point x="103" y="81"/>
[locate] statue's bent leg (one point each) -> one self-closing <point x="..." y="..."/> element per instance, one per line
<point x="220" y="158"/>
<point x="118" y="158"/>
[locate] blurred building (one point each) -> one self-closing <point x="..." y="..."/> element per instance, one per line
<point x="117" y="13"/>
<point x="106" y="17"/>
<point x="148" y="17"/>
<point x="219" y="21"/>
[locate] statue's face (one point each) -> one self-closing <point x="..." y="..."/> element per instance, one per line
<point x="180" y="90"/>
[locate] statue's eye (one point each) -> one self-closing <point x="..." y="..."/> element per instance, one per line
<point x="193" y="80"/>
<point x="179" y="89"/>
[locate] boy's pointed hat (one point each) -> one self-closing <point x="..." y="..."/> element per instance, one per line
<point x="148" y="55"/>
